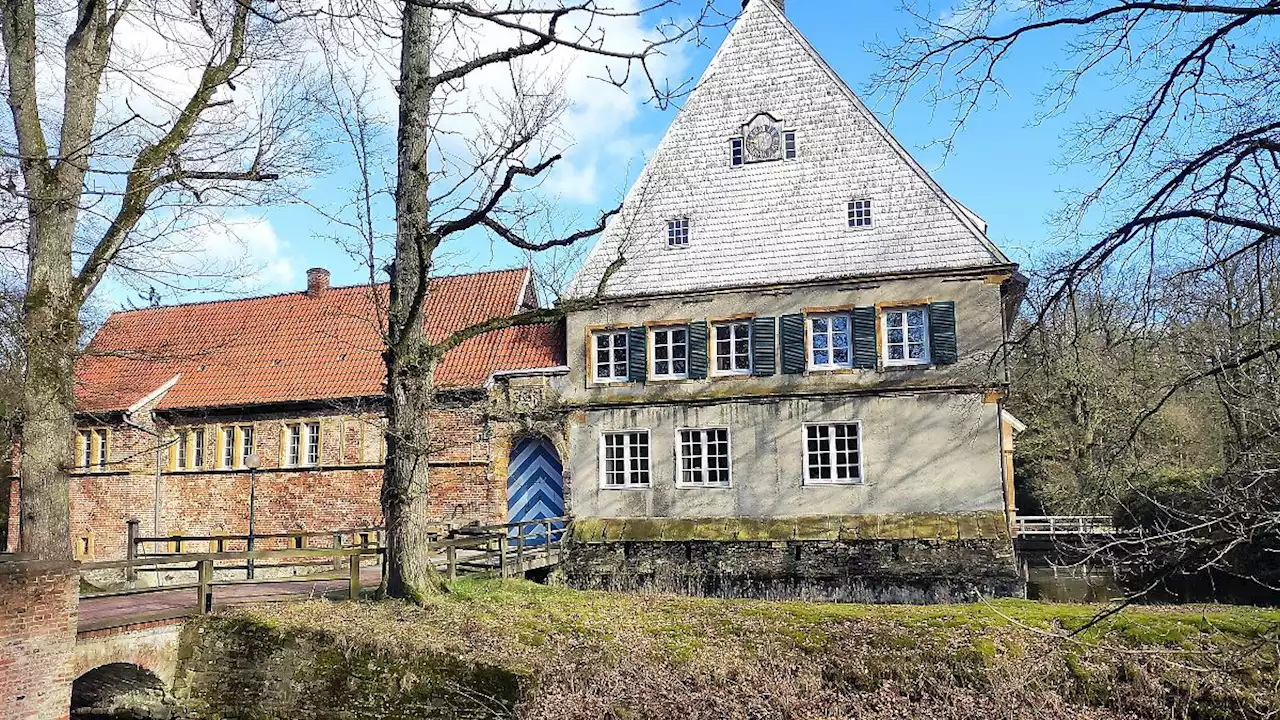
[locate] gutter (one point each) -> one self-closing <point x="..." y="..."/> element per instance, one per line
<point x="526" y="372"/>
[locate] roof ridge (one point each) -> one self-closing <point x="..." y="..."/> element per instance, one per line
<point x="332" y="288"/>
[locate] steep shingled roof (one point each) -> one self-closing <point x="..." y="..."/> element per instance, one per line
<point x="780" y="221"/>
<point x="295" y="346"/>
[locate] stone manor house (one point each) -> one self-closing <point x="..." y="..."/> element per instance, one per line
<point x="804" y="325"/>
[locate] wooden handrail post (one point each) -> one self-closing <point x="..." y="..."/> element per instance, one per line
<point x="355" y="575"/>
<point x="337" y="545"/>
<point x="520" y="546"/>
<point x="451" y="562"/>
<point x="206" y="586"/>
<point x="502" y="555"/>
<point x="131" y="549"/>
<point x="549" y="538"/>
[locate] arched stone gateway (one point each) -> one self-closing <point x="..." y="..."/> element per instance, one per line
<point x="119" y="691"/>
<point x="535" y="485"/>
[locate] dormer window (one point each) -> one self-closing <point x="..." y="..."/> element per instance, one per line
<point x="789" y="145"/>
<point x="860" y="213"/>
<point x="678" y="232"/>
<point x="735" y="151"/>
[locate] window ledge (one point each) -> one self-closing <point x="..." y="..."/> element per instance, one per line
<point x="845" y="483"/>
<point x="628" y="487"/>
<point x="703" y="487"/>
<point x="907" y="368"/>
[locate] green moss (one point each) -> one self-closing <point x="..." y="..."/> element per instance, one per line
<point x="824" y="527"/>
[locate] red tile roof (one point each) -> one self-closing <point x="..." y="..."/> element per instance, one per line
<point x="295" y="346"/>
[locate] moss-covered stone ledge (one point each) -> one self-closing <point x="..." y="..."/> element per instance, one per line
<point x="923" y="526"/>
<point x="856" y="558"/>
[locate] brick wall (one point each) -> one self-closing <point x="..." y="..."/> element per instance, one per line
<point x="38" y="605"/>
<point x="342" y="492"/>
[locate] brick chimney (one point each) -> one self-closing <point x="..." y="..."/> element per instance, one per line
<point x="782" y="4"/>
<point x="317" y="281"/>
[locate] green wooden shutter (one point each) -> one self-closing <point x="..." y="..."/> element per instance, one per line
<point x="697" y="351"/>
<point x="763" y="352"/>
<point x="637" y="358"/>
<point x="793" y="349"/>
<point x="864" y="338"/>
<point x="942" y="333"/>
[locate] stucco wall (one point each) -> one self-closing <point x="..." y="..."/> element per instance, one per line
<point x="921" y="453"/>
<point x="979" y="333"/>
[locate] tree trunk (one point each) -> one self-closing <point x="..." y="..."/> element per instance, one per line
<point x="51" y="329"/>
<point x="409" y="359"/>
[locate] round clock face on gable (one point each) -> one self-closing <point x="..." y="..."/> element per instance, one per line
<point x="763" y="142"/>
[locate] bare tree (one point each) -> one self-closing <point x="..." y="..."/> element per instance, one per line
<point x="468" y="165"/>
<point x="1185" y="148"/>
<point x="135" y="122"/>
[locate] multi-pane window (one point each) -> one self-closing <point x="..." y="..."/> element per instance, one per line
<point x="86" y="448"/>
<point x="735" y="151"/>
<point x="829" y="341"/>
<point x="732" y="345"/>
<point x="93" y="449"/>
<point x="832" y="453"/>
<point x="610" y="354"/>
<point x="197" y="448"/>
<point x="624" y="459"/>
<point x="860" y="213"/>
<point x="228" y="447"/>
<point x="704" y="457"/>
<point x="678" y="232"/>
<point x="303" y="444"/>
<point x="237" y="445"/>
<point x="671" y="353"/>
<point x="293" y="455"/>
<point x="789" y="145"/>
<point x="313" y="443"/>
<point x="906" y="336"/>
<point x="246" y="443"/>
<point x="180" y="461"/>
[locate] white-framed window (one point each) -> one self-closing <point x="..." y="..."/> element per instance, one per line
<point x="93" y="449"/>
<point x="197" y="448"/>
<point x="702" y="457"/>
<point x="180" y="450"/>
<point x="303" y="444"/>
<point x="228" y="459"/>
<point x="293" y="455"/>
<point x="670" y="352"/>
<point x="829" y="341"/>
<point x="906" y="335"/>
<point x="833" y="453"/>
<point x="624" y="459"/>
<point x="246" y="444"/>
<point x="609" y="355"/>
<point x="86" y="449"/>
<point x="789" y="145"/>
<point x="678" y="232"/>
<point x="736" y="157"/>
<point x="237" y="446"/>
<point x="313" y="443"/>
<point x="860" y="213"/>
<point x="731" y="345"/>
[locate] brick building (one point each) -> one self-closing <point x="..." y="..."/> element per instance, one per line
<point x="173" y="400"/>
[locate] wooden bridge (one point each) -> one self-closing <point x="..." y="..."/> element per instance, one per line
<point x="1064" y="525"/>
<point x="217" y="574"/>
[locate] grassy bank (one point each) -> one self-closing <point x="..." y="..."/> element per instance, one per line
<point x="595" y="655"/>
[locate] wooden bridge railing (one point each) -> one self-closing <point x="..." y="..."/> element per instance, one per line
<point x="1030" y="525"/>
<point x="502" y="550"/>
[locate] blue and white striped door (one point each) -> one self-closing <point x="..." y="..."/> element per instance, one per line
<point x="535" y="487"/>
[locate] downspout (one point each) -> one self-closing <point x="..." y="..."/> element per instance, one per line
<point x="128" y="420"/>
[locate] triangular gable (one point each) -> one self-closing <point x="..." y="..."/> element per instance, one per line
<point x="780" y="221"/>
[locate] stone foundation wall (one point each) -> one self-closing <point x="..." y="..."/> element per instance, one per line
<point x="862" y="571"/>
<point x="38" y="610"/>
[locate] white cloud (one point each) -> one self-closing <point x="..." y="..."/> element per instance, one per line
<point x="252" y="245"/>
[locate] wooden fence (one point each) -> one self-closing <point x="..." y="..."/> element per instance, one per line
<point x="495" y="550"/>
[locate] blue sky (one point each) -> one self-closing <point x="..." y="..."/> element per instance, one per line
<point x="1002" y="167"/>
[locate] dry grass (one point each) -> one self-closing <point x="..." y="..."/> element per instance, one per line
<point x="597" y="655"/>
